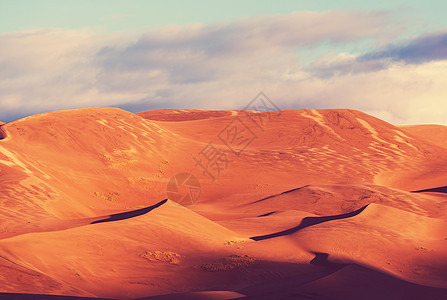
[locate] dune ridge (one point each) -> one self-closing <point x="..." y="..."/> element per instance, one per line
<point x="435" y="134"/>
<point x="313" y="200"/>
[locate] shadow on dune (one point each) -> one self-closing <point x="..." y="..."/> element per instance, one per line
<point x="442" y="189"/>
<point x="268" y="214"/>
<point x="130" y="214"/>
<point x="273" y="196"/>
<point x="10" y="296"/>
<point x="306" y="222"/>
<point x="351" y="282"/>
<point x="321" y="259"/>
<point x="204" y="295"/>
<point x="2" y="133"/>
<point x="58" y="224"/>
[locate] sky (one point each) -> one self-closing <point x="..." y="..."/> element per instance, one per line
<point x="385" y="58"/>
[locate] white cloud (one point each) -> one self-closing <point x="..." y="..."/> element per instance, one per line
<point x="219" y="66"/>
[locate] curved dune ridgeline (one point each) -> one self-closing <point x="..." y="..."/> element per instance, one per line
<point x="297" y="204"/>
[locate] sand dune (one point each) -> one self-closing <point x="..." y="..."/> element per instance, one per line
<point x="363" y="284"/>
<point x="2" y="132"/>
<point x="435" y="134"/>
<point x="377" y="236"/>
<point x="303" y="204"/>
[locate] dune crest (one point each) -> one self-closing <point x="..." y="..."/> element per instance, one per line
<point x="289" y="203"/>
<point x="435" y="134"/>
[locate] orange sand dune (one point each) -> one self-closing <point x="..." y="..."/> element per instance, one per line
<point x="435" y="134"/>
<point x="378" y="237"/>
<point x="297" y="204"/>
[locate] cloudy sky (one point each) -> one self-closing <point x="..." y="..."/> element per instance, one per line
<point x="386" y="58"/>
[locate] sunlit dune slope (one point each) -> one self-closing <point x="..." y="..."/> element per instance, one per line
<point x="134" y="257"/>
<point x="290" y="203"/>
<point x="407" y="245"/>
<point x="76" y="163"/>
<point x="435" y="134"/>
<point x="307" y="146"/>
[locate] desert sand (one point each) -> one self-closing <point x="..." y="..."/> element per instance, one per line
<point x="435" y="134"/>
<point x="296" y="204"/>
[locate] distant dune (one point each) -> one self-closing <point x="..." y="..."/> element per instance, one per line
<point x="182" y="114"/>
<point x="435" y="134"/>
<point x="297" y="204"/>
